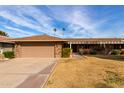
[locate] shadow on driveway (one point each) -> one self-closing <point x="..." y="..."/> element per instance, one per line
<point x="37" y="80"/>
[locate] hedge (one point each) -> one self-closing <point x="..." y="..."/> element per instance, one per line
<point x="87" y="51"/>
<point x="93" y="52"/>
<point x="66" y="52"/>
<point x="116" y="52"/>
<point x="122" y="51"/>
<point x="8" y="54"/>
<point x="81" y="52"/>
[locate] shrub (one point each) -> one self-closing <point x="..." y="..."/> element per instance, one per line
<point x="116" y="52"/>
<point x="84" y="51"/>
<point x="66" y="52"/>
<point x="122" y="51"/>
<point x="93" y="52"/>
<point x="9" y="54"/>
<point x="80" y="51"/>
<point x="87" y="51"/>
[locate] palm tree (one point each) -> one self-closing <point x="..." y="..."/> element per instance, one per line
<point x="54" y="31"/>
<point x="63" y="29"/>
<point x="2" y="33"/>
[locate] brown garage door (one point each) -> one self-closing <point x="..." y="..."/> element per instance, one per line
<point x="42" y="50"/>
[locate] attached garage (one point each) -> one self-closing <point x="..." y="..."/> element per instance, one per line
<point x="43" y="50"/>
<point x="42" y="46"/>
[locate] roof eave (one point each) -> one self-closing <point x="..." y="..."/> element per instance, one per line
<point x="7" y="42"/>
<point x="38" y="40"/>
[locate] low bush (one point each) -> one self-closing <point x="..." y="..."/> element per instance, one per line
<point x="116" y="52"/>
<point x="8" y="54"/>
<point x="84" y="51"/>
<point x="87" y="51"/>
<point x="122" y="51"/>
<point x="66" y="52"/>
<point x="80" y="51"/>
<point x="93" y="52"/>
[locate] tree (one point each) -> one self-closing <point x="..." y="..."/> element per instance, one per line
<point x="54" y="29"/>
<point x="63" y="29"/>
<point x="2" y="33"/>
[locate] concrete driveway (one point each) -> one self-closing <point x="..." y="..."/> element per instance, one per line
<point x="25" y="72"/>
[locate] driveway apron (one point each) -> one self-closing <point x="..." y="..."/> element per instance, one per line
<point x="25" y="72"/>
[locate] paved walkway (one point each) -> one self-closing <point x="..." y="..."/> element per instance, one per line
<point x="76" y="55"/>
<point x="25" y="72"/>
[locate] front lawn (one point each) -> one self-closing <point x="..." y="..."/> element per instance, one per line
<point x="91" y="72"/>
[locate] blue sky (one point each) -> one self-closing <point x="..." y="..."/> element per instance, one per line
<point x="78" y="21"/>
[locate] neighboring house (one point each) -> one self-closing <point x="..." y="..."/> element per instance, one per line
<point x="6" y="44"/>
<point x="45" y="46"/>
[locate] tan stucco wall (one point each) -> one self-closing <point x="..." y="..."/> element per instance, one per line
<point x="58" y="50"/>
<point x="1" y="56"/>
<point x="17" y="50"/>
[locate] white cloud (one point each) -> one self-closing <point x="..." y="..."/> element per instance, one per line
<point x="19" y="30"/>
<point x="19" y="21"/>
<point x="43" y="22"/>
<point x="38" y="15"/>
<point x="77" y="15"/>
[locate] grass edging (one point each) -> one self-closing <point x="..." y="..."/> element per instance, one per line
<point x="50" y="74"/>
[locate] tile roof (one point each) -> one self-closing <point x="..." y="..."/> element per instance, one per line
<point x="51" y="38"/>
<point x="95" y="40"/>
<point x="38" y="38"/>
<point x="5" y="39"/>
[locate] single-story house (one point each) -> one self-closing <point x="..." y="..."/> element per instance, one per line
<point x="45" y="46"/>
<point x="6" y="44"/>
<point x="101" y="45"/>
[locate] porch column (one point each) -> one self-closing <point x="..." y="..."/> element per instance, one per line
<point x="104" y="45"/>
<point x="1" y="51"/>
<point x="1" y="48"/>
<point x="71" y="49"/>
<point x="77" y="48"/>
<point x="70" y="46"/>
